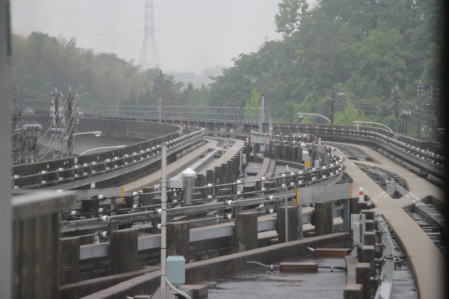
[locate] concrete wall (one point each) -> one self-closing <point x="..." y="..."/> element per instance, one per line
<point x="116" y="128"/>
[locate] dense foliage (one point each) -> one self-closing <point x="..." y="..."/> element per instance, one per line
<point x="42" y="63"/>
<point x="361" y="48"/>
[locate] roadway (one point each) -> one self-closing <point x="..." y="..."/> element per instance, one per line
<point x="425" y="259"/>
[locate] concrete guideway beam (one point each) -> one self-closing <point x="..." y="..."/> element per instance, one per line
<point x="425" y="259"/>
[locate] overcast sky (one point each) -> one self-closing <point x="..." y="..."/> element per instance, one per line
<point x="191" y="34"/>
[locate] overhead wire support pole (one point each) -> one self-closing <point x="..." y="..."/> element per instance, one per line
<point x="261" y="113"/>
<point x="160" y="109"/>
<point x="5" y="152"/>
<point x="396" y="106"/>
<point x="333" y="99"/>
<point x="163" y="220"/>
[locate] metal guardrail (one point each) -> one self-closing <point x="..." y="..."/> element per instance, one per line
<point x="427" y="156"/>
<point x="186" y="113"/>
<point x="76" y="168"/>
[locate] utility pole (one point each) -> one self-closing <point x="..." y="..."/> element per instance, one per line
<point x="261" y="113"/>
<point x="418" y="125"/>
<point x="160" y="109"/>
<point x="163" y="220"/>
<point x="396" y="106"/>
<point x="149" y="56"/>
<point x="6" y="256"/>
<point x="333" y="99"/>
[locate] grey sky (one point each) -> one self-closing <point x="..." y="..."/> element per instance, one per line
<point x="191" y="34"/>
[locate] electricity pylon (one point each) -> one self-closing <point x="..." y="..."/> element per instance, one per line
<point x="149" y="57"/>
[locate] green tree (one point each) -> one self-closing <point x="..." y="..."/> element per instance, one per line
<point x="348" y="115"/>
<point x="42" y="63"/>
<point x="290" y="14"/>
<point x="252" y="106"/>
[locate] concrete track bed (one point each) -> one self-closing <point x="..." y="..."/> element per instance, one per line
<point x="224" y="266"/>
<point x="392" y="183"/>
<point x="264" y="284"/>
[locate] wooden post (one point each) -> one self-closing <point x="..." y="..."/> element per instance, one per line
<point x="323" y="218"/>
<point x="123" y="250"/>
<point x="293" y="222"/>
<point x="69" y="260"/>
<point x="178" y="239"/>
<point x="246" y="231"/>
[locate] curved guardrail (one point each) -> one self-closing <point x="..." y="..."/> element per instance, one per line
<point x="426" y="156"/>
<point x="51" y="173"/>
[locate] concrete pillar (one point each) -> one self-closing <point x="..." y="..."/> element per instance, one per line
<point x="123" y="250"/>
<point x="210" y="177"/>
<point x="370" y="238"/>
<point x="294" y="156"/>
<point x="369" y="225"/>
<point x="300" y="223"/>
<point x="277" y="151"/>
<point x="368" y="255"/>
<point x="146" y="199"/>
<point x="246" y="231"/>
<point x="284" y="153"/>
<point x="218" y="175"/>
<point x="346" y="216"/>
<point x="197" y="182"/>
<point x="354" y="205"/>
<point x="69" y="263"/>
<point x="362" y="276"/>
<point x="299" y="154"/>
<point x="178" y="239"/>
<point x="369" y="214"/>
<point x="353" y="291"/>
<point x="231" y="172"/>
<point x="293" y="223"/>
<point x="323" y="218"/>
<point x="224" y="169"/>
<point x="287" y="153"/>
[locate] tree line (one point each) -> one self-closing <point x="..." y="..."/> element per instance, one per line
<point x="382" y="55"/>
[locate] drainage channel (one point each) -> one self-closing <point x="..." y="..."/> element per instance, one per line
<point x="431" y="222"/>
<point x="391" y="183"/>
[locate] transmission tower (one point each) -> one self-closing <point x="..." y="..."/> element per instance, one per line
<point x="149" y="57"/>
